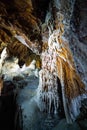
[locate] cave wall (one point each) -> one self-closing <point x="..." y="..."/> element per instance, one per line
<point x="16" y="18"/>
<point x="80" y="19"/>
<point x="28" y="20"/>
<point x="78" y="38"/>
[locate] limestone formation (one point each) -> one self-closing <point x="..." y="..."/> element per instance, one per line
<point x="35" y="30"/>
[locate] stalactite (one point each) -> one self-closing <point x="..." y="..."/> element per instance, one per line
<point x="57" y="62"/>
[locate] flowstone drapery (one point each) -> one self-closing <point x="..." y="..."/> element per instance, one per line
<point x="58" y="64"/>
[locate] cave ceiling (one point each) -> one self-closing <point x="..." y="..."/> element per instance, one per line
<point x="22" y="18"/>
<point x="25" y="18"/>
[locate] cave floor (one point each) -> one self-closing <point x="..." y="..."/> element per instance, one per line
<point x="33" y="119"/>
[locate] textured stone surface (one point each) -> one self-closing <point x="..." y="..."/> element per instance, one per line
<point x="26" y="25"/>
<point x="64" y="126"/>
<point x="78" y="38"/>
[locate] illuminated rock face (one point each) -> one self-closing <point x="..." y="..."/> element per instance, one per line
<point x="57" y="63"/>
<point x="48" y="86"/>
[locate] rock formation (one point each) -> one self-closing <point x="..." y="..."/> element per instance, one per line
<point x="1" y="84"/>
<point x="40" y="30"/>
<point x="57" y="62"/>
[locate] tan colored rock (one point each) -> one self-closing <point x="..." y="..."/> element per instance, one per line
<point x="1" y="84"/>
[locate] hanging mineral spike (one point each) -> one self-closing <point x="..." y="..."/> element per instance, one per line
<point x="58" y="63"/>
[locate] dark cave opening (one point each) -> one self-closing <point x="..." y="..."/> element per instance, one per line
<point x="8" y="108"/>
<point x="40" y="7"/>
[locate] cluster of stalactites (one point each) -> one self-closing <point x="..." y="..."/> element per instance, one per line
<point x="57" y="62"/>
<point x="48" y="82"/>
